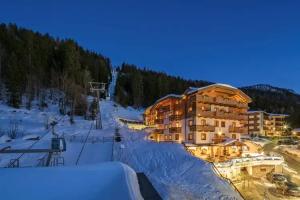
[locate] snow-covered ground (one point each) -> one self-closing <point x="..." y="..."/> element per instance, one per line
<point x="174" y="173"/>
<point x="260" y="141"/>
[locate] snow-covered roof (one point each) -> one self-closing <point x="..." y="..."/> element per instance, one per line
<point x="168" y="96"/>
<point x="229" y="141"/>
<point x="195" y="89"/>
<point x="111" y="180"/>
<point x="192" y="90"/>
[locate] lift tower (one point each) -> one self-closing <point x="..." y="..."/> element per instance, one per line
<point x="98" y="88"/>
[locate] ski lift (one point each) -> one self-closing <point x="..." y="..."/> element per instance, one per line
<point x="58" y="144"/>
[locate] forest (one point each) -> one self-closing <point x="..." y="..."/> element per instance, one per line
<point x="139" y="87"/>
<point x="32" y="63"/>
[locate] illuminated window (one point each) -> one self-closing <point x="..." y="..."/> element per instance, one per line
<point x="191" y="123"/>
<point x="203" y="136"/>
<point x="216" y="123"/>
<point x="203" y="122"/>
<point x="233" y="124"/>
<point x="222" y="124"/>
<point x="177" y="137"/>
<point x="190" y="136"/>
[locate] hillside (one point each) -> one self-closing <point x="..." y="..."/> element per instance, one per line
<point x="31" y="62"/>
<point x="141" y="88"/>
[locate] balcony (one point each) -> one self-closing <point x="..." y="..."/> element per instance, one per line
<point x="175" y="130"/>
<point x="206" y="99"/>
<point x="204" y="128"/>
<point x="159" y="121"/>
<point x="218" y="139"/>
<point x="207" y="114"/>
<point x="233" y="129"/>
<point x="158" y="131"/>
<point x="175" y="117"/>
<point x="221" y="101"/>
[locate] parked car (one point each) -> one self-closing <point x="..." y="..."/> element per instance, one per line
<point x="276" y="178"/>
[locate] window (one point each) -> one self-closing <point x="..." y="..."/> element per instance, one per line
<point x="190" y="136"/>
<point x="203" y="122"/>
<point x="222" y="124"/>
<point x="233" y="124"/>
<point x="190" y="109"/>
<point x="191" y="123"/>
<point x="203" y="136"/>
<point x="177" y="124"/>
<point x="216" y="123"/>
<point x="170" y="137"/>
<point x="233" y="136"/>
<point x="166" y="137"/>
<point x="177" y="137"/>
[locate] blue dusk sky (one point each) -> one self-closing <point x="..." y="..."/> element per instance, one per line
<point x="240" y="42"/>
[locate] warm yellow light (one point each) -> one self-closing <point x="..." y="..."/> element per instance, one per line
<point x="285" y="126"/>
<point x="219" y="132"/>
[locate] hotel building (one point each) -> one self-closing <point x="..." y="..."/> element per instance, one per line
<point x="267" y="124"/>
<point x="210" y="120"/>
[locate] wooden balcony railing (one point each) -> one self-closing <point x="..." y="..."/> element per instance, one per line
<point x="159" y="121"/>
<point x="175" y="130"/>
<point x="233" y="129"/>
<point x="202" y="128"/>
<point x="218" y="139"/>
<point x="221" y="101"/>
<point x="175" y="117"/>
<point x="158" y="131"/>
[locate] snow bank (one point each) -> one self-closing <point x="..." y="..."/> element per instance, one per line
<point x="4" y="139"/>
<point x="91" y="182"/>
<point x="174" y="173"/>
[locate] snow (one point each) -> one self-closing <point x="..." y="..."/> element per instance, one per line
<point x="174" y="173"/>
<point x="4" y="139"/>
<point x="91" y="182"/>
<point x="193" y="89"/>
<point x="31" y="137"/>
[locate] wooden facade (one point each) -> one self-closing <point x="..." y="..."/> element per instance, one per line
<point x="202" y="116"/>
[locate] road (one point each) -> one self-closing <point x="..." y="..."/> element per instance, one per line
<point x="290" y="161"/>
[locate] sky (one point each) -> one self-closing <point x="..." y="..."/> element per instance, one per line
<point x="235" y="42"/>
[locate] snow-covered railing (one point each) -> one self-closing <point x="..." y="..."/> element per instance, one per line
<point x="252" y="161"/>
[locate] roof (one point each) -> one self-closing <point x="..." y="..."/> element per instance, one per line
<point x="230" y="142"/>
<point x="192" y="90"/>
<point x="111" y="180"/>
<point x="168" y="96"/>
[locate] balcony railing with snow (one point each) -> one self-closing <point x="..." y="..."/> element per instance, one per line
<point x="252" y="161"/>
